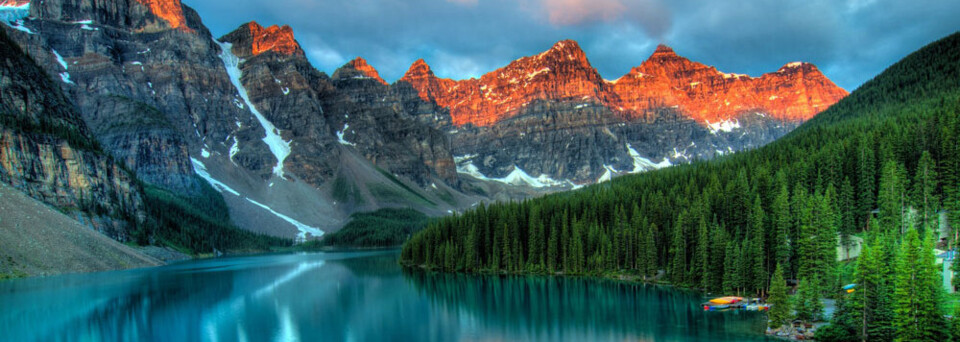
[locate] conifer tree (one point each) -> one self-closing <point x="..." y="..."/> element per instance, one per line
<point x="782" y="222"/>
<point x="754" y="257"/>
<point x="891" y="197"/>
<point x="808" y="305"/>
<point x="678" y="251"/>
<point x="779" y="302"/>
<point x="924" y="195"/>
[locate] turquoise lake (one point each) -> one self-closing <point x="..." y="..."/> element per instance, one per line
<point x="351" y="296"/>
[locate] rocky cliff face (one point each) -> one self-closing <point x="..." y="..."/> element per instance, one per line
<point x="354" y="109"/>
<point x="796" y="92"/>
<point x="551" y="120"/>
<point x="149" y="84"/>
<point x="48" y="152"/>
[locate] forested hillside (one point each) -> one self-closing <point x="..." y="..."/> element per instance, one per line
<point x="725" y="225"/>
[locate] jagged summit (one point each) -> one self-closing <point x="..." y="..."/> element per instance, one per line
<point x="663" y="49"/>
<point x="419" y="68"/>
<point x="365" y="70"/>
<point x="796" y="92"/>
<point x="252" y="39"/>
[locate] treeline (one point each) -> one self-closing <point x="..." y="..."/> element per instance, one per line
<point x="887" y="154"/>
<point x="382" y="228"/>
<point x="196" y="225"/>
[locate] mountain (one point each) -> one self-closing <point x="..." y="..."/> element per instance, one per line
<point x="180" y="108"/>
<point x="47" y="152"/>
<point x="725" y="225"/>
<point x="291" y="151"/>
<point x="552" y="120"/>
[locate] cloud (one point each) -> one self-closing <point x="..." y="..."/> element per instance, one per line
<point x="652" y="15"/>
<point x="574" y="12"/>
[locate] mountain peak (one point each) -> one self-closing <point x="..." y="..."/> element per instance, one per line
<point x="793" y="66"/>
<point x="568" y="49"/>
<point x="664" y="50"/>
<point x="359" y="64"/>
<point x="252" y="39"/>
<point x="418" y="69"/>
<point x="169" y="10"/>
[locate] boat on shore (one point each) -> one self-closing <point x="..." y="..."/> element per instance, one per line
<point x="735" y="303"/>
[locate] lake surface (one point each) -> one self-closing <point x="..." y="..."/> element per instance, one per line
<point x="351" y="296"/>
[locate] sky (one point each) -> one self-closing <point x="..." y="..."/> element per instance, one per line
<point x="849" y="40"/>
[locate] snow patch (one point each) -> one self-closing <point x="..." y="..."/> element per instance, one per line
<point x="234" y="149"/>
<point x="516" y="177"/>
<point x="201" y="170"/>
<point x="458" y="159"/>
<point x="641" y="164"/>
<point x="304" y="229"/>
<point x="285" y="90"/>
<point x="531" y="75"/>
<point x="723" y="126"/>
<point x="607" y="174"/>
<point x="279" y="147"/>
<point x="340" y="136"/>
<point x="732" y="75"/>
<point x="205" y="153"/>
<point x="64" y="76"/>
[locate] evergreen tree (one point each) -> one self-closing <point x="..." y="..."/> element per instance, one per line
<point x="924" y="195"/>
<point x="891" y="197"/>
<point x="866" y="179"/>
<point x="702" y="267"/>
<point x="754" y="257"/>
<point x="779" y="313"/>
<point x="955" y="324"/>
<point x="731" y="277"/>
<point x="848" y="214"/>
<point x="678" y="251"/>
<point x="872" y="302"/>
<point x="782" y="222"/>
<point x="808" y="305"/>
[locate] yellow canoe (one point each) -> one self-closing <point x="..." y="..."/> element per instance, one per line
<point x="726" y="300"/>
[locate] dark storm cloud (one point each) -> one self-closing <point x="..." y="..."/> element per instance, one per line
<point x="850" y="40"/>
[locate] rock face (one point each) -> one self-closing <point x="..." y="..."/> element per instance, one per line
<point x="146" y="16"/>
<point x="48" y="152"/>
<point x="358" y="69"/>
<point x="354" y="109"/>
<point x="796" y="92"/>
<point x="257" y="40"/>
<point x="552" y="117"/>
<point x="153" y="91"/>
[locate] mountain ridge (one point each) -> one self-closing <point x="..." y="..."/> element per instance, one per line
<point x="675" y="81"/>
